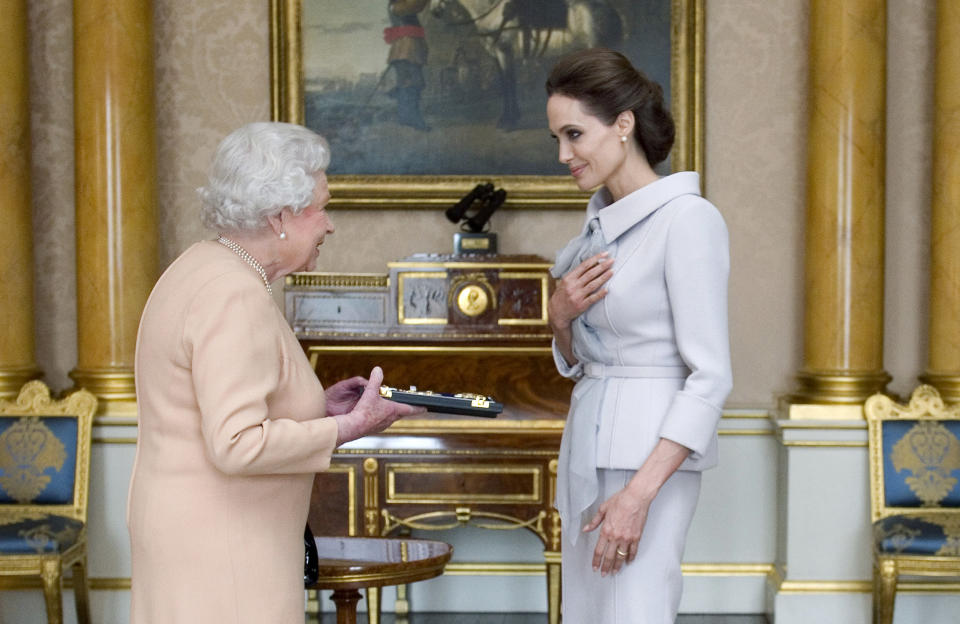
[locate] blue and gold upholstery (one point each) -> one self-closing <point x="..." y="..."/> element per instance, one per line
<point x="914" y="492"/>
<point x="44" y="476"/>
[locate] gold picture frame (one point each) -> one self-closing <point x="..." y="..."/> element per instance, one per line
<point x="373" y="191"/>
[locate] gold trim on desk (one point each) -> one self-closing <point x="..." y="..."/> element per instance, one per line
<point x="491" y="425"/>
<point x="544" y="290"/>
<point x="307" y="334"/>
<point x="393" y="470"/>
<point x="463" y="516"/>
<point x="451" y="350"/>
<point x="461" y="264"/>
<point x="401" y="298"/>
<point x="319" y="279"/>
<point x="449" y="452"/>
<point x="351" y="472"/>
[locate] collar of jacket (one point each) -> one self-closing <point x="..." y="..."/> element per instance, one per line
<point x="618" y="217"/>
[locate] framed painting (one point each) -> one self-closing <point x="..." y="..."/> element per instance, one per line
<point x="421" y="100"/>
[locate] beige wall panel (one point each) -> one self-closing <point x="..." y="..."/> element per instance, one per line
<point x="213" y="68"/>
<point x="756" y="126"/>
<point x="51" y="119"/>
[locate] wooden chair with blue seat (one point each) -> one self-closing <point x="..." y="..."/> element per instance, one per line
<point x="914" y="492"/>
<point x="44" y="477"/>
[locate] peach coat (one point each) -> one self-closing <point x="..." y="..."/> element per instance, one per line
<point x="231" y="431"/>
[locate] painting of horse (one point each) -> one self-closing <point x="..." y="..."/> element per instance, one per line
<point x="517" y="31"/>
<point x="456" y="87"/>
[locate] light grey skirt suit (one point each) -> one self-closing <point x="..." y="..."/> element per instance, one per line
<point x="653" y="362"/>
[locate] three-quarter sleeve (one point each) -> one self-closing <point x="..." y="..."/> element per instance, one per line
<point x="232" y="340"/>
<point x="697" y="268"/>
<point x="574" y="372"/>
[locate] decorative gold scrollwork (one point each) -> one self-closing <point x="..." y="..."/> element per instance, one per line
<point x="444" y="520"/>
<point x="27" y="449"/>
<point x="930" y="452"/>
<point x="472" y="300"/>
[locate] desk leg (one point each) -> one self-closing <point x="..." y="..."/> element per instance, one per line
<point x="553" y="586"/>
<point x="313" y="605"/>
<point x="346" y="600"/>
<point x="373" y="605"/>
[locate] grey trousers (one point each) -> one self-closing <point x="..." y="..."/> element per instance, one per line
<point x="646" y="591"/>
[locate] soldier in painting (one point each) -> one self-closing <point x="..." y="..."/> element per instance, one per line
<point x="408" y="55"/>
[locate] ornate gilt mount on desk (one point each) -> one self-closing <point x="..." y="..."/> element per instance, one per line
<point x="426" y="295"/>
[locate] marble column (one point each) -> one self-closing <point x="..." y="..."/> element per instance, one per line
<point x="17" y="346"/>
<point x="844" y="255"/>
<point x="115" y="152"/>
<point x="943" y="357"/>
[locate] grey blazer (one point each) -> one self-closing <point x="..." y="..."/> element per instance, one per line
<point x="656" y="362"/>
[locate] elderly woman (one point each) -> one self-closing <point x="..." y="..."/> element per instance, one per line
<point x="233" y="422"/>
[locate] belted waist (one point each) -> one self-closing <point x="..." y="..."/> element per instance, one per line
<point x="598" y="370"/>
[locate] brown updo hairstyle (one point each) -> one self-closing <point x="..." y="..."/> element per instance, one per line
<point x="607" y="84"/>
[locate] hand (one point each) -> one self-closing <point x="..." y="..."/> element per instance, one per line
<point x="343" y="395"/>
<point x="579" y="289"/>
<point x="621" y="519"/>
<point x="372" y="413"/>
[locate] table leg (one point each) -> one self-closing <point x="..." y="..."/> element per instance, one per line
<point x="313" y="605"/>
<point x="346" y="601"/>
<point x="553" y="586"/>
<point x="373" y="605"/>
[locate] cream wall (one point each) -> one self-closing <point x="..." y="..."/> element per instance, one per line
<point x="213" y="75"/>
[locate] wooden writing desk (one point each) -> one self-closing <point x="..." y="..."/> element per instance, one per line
<point x="441" y="471"/>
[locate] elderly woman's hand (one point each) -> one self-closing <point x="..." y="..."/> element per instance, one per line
<point x="343" y="395"/>
<point x="372" y="413"/>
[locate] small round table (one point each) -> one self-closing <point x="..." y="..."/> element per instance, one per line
<point x="347" y="564"/>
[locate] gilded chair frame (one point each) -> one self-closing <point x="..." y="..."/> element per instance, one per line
<point x="34" y="400"/>
<point x="925" y="404"/>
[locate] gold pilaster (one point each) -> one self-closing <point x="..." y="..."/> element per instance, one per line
<point x="17" y="347"/>
<point x="844" y="255"/>
<point x="943" y="354"/>
<point x="115" y="151"/>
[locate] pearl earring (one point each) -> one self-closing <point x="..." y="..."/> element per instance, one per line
<point x="283" y="235"/>
<point x="623" y="139"/>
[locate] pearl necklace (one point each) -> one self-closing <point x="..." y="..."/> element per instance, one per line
<point x="246" y="257"/>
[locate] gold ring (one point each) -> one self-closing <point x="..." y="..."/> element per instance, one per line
<point x="621" y="553"/>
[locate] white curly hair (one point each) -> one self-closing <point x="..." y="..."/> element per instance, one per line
<point x="257" y="171"/>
